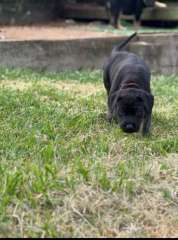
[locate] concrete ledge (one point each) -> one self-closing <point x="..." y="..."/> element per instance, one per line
<point x="160" y="51"/>
<point x="56" y="55"/>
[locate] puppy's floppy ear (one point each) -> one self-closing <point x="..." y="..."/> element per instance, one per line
<point x="112" y="100"/>
<point x="148" y="102"/>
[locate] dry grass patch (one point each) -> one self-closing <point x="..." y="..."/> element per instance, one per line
<point x="15" y="85"/>
<point x="85" y="89"/>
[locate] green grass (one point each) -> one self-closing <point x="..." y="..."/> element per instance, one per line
<point x="66" y="172"/>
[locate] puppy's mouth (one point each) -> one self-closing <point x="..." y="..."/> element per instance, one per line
<point x="129" y="128"/>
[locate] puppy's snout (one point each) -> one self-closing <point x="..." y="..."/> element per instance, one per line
<point x="129" y="128"/>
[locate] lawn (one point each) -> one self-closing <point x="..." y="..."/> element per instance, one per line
<point x="66" y="172"/>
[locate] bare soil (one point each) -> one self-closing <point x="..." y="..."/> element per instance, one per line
<point x="52" y="31"/>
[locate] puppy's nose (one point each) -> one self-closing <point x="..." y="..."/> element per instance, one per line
<point x="129" y="127"/>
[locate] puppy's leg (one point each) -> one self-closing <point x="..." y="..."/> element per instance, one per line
<point x="110" y="12"/>
<point x="106" y="77"/>
<point x="107" y="84"/>
<point x="137" y="25"/>
<point x="137" y="21"/>
<point x="146" y="125"/>
<point x="120" y="27"/>
<point x="115" y="19"/>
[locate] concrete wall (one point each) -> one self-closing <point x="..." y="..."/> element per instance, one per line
<point x="160" y="51"/>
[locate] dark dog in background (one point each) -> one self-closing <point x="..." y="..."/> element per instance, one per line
<point x="127" y="82"/>
<point x="129" y="7"/>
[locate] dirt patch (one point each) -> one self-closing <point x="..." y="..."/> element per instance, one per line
<point x="53" y="31"/>
<point x="79" y="89"/>
<point x="15" y="85"/>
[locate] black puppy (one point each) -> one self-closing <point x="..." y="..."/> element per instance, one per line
<point x="129" y="7"/>
<point x="127" y="81"/>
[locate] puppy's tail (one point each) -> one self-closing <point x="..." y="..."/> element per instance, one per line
<point x="123" y="43"/>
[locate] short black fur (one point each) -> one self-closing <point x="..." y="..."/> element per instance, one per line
<point x="127" y="82"/>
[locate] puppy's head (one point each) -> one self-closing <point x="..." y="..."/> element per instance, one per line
<point x="130" y="107"/>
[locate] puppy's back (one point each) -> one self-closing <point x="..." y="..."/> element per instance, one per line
<point x="124" y="66"/>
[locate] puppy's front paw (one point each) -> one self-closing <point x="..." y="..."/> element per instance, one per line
<point x="137" y="25"/>
<point x="120" y="27"/>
